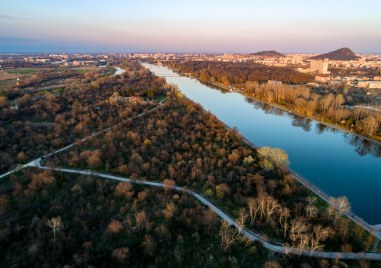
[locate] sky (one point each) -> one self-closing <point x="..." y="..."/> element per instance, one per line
<point x="198" y="26"/>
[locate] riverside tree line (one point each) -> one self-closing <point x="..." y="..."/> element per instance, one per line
<point x="78" y="220"/>
<point x="253" y="78"/>
<point x="182" y="144"/>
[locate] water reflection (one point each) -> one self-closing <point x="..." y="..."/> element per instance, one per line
<point x="339" y="163"/>
<point x="362" y="146"/>
<point x="320" y="128"/>
<point x="301" y="122"/>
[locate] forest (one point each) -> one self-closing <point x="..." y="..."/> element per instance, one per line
<point x="182" y="144"/>
<point x="228" y="73"/>
<point x="47" y="120"/>
<point x="52" y="219"/>
<point x="55" y="219"/>
<point x="329" y="107"/>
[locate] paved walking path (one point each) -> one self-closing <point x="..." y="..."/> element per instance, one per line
<point x="250" y="235"/>
<point x="81" y="140"/>
<point x="37" y="163"/>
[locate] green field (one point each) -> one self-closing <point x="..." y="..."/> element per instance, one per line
<point x="7" y="83"/>
<point x="22" y="71"/>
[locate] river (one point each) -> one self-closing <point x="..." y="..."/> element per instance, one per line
<point x="119" y="71"/>
<point x="338" y="163"/>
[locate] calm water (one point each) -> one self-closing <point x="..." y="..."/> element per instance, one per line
<point x="338" y="163"/>
<point x="119" y="71"/>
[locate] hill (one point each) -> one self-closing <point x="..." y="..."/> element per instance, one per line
<point x="268" y="53"/>
<point x="340" y="54"/>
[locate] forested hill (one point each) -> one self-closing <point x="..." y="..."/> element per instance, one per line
<point x="345" y="54"/>
<point x="268" y="53"/>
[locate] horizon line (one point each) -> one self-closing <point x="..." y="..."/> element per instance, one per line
<point x="164" y="52"/>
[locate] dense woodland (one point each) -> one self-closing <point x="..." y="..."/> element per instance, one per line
<point x="363" y="71"/>
<point x="53" y="219"/>
<point x="49" y="120"/>
<point x="329" y="107"/>
<point x="101" y="223"/>
<point x="228" y="73"/>
<point x="108" y="224"/>
<point x="182" y="144"/>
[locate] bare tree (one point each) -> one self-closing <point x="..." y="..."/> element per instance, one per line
<point x="299" y="233"/>
<point x="210" y="219"/>
<point x="341" y="204"/>
<point x="319" y="235"/>
<point x="284" y="214"/>
<point x="369" y="125"/>
<point x="241" y="219"/>
<point x="228" y="235"/>
<point x="268" y="206"/>
<point x="265" y="205"/>
<point x="339" y="100"/>
<point x="56" y="225"/>
<point x="311" y="211"/>
<point x="311" y="200"/>
<point x="253" y="209"/>
<point x="326" y="101"/>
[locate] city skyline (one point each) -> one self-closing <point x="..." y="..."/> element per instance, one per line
<point x="189" y="26"/>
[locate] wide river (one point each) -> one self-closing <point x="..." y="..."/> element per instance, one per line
<point x="338" y="163"/>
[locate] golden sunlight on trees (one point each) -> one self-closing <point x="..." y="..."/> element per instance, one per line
<point x="114" y="227"/>
<point x="120" y="254"/>
<point x="273" y="157"/>
<point x="55" y="224"/>
<point x="341" y="204"/>
<point x="228" y="235"/>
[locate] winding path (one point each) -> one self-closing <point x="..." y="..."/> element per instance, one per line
<point x="275" y="247"/>
<point x="18" y="168"/>
<point x="247" y="233"/>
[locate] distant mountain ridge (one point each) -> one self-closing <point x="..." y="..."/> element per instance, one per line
<point x="268" y="53"/>
<point x="345" y="54"/>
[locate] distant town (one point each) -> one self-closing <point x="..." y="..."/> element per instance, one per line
<point x="109" y="150"/>
<point x="362" y="71"/>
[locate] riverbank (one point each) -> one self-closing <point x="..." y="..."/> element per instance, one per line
<point x="375" y="230"/>
<point x="340" y="164"/>
<point x="320" y="120"/>
<point x="119" y="71"/>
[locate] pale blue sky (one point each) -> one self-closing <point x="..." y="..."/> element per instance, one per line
<point x="189" y="26"/>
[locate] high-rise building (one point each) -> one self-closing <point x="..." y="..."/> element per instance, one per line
<point x="319" y="66"/>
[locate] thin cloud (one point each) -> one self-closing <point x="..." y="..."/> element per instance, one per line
<point x="8" y="17"/>
<point x="6" y="39"/>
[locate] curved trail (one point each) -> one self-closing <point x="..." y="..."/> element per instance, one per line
<point x="275" y="247"/>
<point x="81" y="140"/>
<point x="247" y="233"/>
